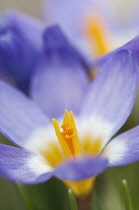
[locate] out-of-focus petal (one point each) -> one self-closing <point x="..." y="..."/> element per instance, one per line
<point x="61" y="79"/>
<point x="111" y="95"/>
<point x="80" y="169"/>
<point x="72" y="17"/>
<point x="123" y="149"/>
<point x="25" y="25"/>
<point x="19" y="116"/>
<point x="19" y="50"/>
<point x="17" y="59"/>
<point x="132" y="46"/>
<point x="21" y="166"/>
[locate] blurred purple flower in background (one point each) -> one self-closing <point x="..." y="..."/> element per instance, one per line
<point x="20" y="48"/>
<point x="84" y="22"/>
<point x="92" y="25"/>
<point x="63" y="65"/>
<point x="23" y="48"/>
<point x="79" y="149"/>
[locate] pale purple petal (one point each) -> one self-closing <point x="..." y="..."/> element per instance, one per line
<point x="112" y="94"/>
<point x="132" y="46"/>
<point x="19" y="116"/>
<point x="21" y="166"/>
<point x="25" y="25"/>
<point x="123" y="149"/>
<point x="61" y="79"/>
<point x="20" y="47"/>
<point x="80" y="169"/>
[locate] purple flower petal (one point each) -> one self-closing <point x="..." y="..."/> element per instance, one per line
<point x="80" y="169"/>
<point x="61" y="79"/>
<point x="17" y="59"/>
<point x="20" y="23"/>
<point x="123" y="149"/>
<point x="132" y="46"/>
<point x="21" y="166"/>
<point x="112" y="94"/>
<point x="19" y="116"/>
<point x="19" y="51"/>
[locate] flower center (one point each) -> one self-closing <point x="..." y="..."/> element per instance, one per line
<point x="67" y="134"/>
<point x="68" y="139"/>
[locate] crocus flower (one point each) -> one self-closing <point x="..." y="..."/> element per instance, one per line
<point x="93" y="26"/>
<point x="70" y="138"/>
<point x="20" y="48"/>
<point x="84" y="22"/>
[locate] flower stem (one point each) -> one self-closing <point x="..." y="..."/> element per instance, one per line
<point x="25" y="197"/>
<point x="84" y="202"/>
<point x="128" y="202"/>
<point x="72" y="199"/>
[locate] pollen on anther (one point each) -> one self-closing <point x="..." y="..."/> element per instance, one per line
<point x="68" y="137"/>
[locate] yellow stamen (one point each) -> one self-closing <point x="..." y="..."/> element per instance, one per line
<point x="68" y="137"/>
<point x="70" y="147"/>
<point x="96" y="31"/>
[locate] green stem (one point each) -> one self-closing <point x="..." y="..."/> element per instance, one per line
<point x="25" y="197"/>
<point x="128" y="202"/>
<point x="72" y="199"/>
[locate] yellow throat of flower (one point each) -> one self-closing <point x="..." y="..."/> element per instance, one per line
<point x="68" y="139"/>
